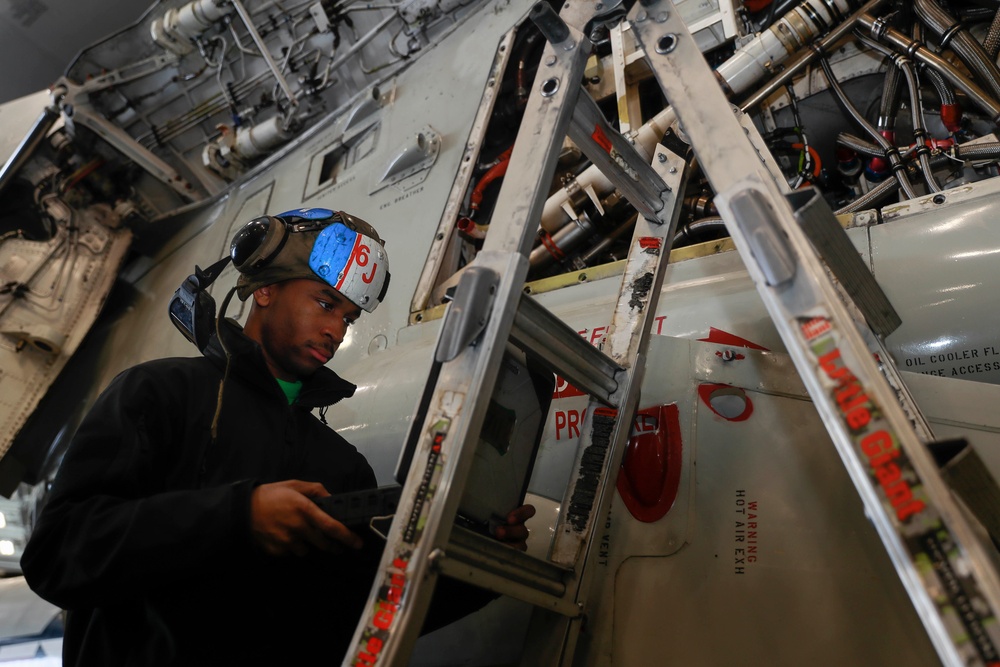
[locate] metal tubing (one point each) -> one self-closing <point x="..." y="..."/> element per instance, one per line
<point x="360" y="44"/>
<point x="259" y="41"/>
<point x="904" y="44"/>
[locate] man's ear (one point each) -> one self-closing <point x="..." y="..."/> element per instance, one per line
<point x="262" y="296"/>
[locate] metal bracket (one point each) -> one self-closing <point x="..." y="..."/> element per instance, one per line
<point x="468" y="313"/>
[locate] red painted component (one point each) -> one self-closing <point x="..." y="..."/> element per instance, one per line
<point x="496" y="171"/>
<point x="651" y="468"/>
<point x="601" y="139"/>
<point x="709" y="390"/>
<point x="725" y="338"/>
<point x="881" y="165"/>
<point x="951" y="116"/>
<point x="647" y="242"/>
<point x="756" y="5"/>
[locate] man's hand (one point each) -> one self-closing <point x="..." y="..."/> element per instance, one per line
<point x="284" y="519"/>
<point x="513" y="532"/>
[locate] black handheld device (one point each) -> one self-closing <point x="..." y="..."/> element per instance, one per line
<point x="192" y="309"/>
<point x="356" y="509"/>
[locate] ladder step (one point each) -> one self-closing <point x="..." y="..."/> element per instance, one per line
<point x="821" y="227"/>
<point x="484" y="562"/>
<point x="560" y="349"/>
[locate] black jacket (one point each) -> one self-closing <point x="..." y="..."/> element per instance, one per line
<point x="145" y="537"/>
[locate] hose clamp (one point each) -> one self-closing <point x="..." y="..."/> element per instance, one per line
<point x="879" y="26"/>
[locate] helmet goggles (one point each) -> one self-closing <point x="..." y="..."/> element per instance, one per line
<point x="317" y="243"/>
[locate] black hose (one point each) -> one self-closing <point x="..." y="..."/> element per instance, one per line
<point x="975" y="14"/>
<point x="689" y="231"/>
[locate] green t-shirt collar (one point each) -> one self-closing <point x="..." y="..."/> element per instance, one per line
<point x="291" y="389"/>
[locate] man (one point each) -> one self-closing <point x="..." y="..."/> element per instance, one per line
<point x="181" y="529"/>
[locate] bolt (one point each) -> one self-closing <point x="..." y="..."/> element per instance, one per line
<point x="599" y="6"/>
<point x="673" y="170"/>
<point x="550" y="61"/>
<point x="662" y="17"/>
<point x="661" y="157"/>
<point x="641" y="17"/>
<point x="666" y="44"/>
<point x="728" y="355"/>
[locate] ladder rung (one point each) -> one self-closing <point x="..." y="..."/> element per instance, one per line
<point x="483" y="561"/>
<point x="563" y="351"/>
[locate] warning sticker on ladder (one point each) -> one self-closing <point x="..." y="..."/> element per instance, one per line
<point x="381" y="617"/>
<point x="943" y="568"/>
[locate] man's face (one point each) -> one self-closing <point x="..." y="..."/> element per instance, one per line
<point x="299" y="325"/>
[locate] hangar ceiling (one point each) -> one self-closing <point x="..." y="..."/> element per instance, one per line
<point x="39" y="38"/>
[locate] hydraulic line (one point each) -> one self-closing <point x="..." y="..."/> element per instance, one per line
<point x="951" y="112"/>
<point x="869" y="149"/>
<point x="897" y="163"/>
<point x="892" y="101"/>
<point x="905" y="65"/>
<point x="859" y="145"/>
<point x="493" y="173"/>
<point x="884" y="189"/>
<point x="917" y="115"/>
<point x="958" y="39"/>
<point x="903" y="44"/>
<point x="988" y="151"/>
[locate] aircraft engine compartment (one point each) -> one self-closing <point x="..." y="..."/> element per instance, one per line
<point x="872" y="103"/>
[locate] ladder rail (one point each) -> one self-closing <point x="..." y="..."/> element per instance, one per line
<point x="824" y="346"/>
<point x="406" y="576"/>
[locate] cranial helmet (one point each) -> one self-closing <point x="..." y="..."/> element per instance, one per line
<point x="332" y="247"/>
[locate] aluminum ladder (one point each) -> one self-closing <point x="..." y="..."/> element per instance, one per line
<point x="488" y="310"/>
<point x="871" y="418"/>
<point x="874" y="424"/>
